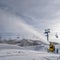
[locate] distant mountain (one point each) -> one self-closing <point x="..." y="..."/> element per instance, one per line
<point x="27" y="42"/>
<point x="22" y="42"/>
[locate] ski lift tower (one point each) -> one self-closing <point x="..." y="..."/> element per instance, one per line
<point x="47" y="31"/>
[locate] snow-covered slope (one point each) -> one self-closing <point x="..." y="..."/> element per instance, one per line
<point x="17" y="53"/>
<point x="36" y="47"/>
<point x="14" y="54"/>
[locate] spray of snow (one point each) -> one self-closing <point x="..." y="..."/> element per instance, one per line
<point x="12" y="23"/>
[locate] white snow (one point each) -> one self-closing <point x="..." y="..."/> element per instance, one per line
<point x="25" y="54"/>
<point x="20" y="54"/>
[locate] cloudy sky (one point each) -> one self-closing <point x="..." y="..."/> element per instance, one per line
<point x="30" y="18"/>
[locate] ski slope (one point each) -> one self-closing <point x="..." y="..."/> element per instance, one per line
<point x="17" y="53"/>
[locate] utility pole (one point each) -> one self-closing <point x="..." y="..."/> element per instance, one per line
<point x="47" y="31"/>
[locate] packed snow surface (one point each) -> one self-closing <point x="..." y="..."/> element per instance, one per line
<point x="20" y="54"/>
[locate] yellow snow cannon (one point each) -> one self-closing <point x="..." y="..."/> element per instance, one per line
<point x="51" y="47"/>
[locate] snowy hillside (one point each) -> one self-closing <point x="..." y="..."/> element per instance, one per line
<point x="14" y="54"/>
<point x="17" y="53"/>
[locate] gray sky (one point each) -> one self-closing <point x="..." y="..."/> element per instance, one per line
<point x="38" y="14"/>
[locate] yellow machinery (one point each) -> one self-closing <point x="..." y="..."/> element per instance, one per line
<point x="51" y="47"/>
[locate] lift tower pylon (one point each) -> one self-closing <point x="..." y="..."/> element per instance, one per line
<point x="47" y="31"/>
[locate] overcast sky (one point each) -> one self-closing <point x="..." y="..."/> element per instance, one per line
<point x="38" y="15"/>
